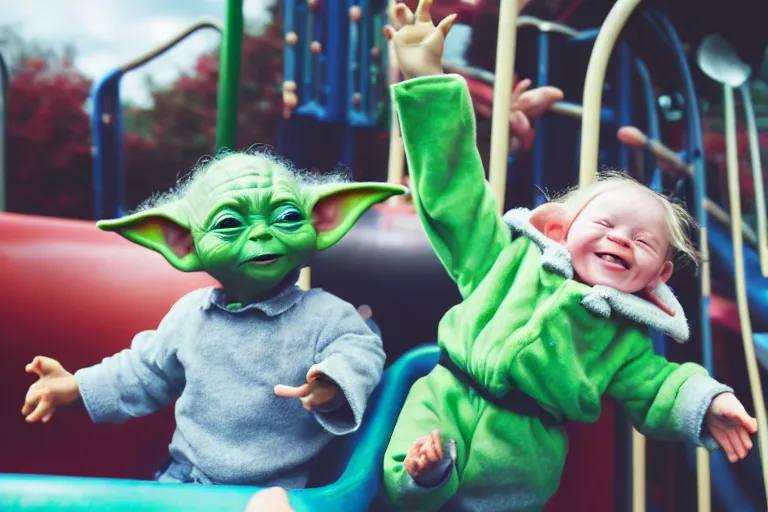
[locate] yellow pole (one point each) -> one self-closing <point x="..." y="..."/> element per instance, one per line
<point x="304" y="278"/>
<point x="590" y="143"/>
<point x="593" y="87"/>
<point x="502" y="97"/>
<point x="757" y="178"/>
<point x="734" y="198"/>
<point x="396" y="162"/>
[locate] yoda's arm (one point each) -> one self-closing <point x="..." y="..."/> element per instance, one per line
<point x="136" y="381"/>
<point x="351" y="355"/>
<point x="664" y="400"/>
<point x="450" y="193"/>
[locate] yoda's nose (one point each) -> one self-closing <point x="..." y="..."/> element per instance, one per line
<point x="260" y="235"/>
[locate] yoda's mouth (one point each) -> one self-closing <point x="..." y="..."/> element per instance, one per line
<point x="265" y="259"/>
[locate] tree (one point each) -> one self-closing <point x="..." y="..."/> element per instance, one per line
<point x="49" y="155"/>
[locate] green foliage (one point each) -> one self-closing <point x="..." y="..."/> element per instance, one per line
<point x="49" y="165"/>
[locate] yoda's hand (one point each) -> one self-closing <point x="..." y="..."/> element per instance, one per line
<point x="316" y="393"/>
<point x="418" y="43"/>
<point x="55" y="387"/>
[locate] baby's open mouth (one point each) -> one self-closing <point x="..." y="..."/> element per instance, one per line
<point x="612" y="258"/>
<point x="263" y="259"/>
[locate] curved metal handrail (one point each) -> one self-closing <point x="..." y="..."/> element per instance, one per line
<point x="546" y="25"/>
<point x="156" y="52"/>
<point x="107" y="129"/>
<point x="593" y="87"/>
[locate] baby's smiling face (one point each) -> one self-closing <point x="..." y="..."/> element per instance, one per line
<point x="621" y="239"/>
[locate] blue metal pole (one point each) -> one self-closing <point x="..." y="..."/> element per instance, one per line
<point x="695" y="155"/>
<point x="106" y="141"/>
<point x="625" y="97"/>
<point x="538" y="145"/>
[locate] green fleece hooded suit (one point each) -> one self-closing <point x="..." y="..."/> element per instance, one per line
<point x="525" y="325"/>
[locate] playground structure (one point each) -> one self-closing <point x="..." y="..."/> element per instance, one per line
<point x="338" y="82"/>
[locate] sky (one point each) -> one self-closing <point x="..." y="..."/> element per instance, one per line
<point x="108" y="33"/>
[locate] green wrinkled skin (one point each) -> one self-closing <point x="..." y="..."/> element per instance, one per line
<point x="248" y="222"/>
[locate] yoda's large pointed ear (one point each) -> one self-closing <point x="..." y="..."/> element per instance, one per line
<point x="164" y="229"/>
<point x="338" y="206"/>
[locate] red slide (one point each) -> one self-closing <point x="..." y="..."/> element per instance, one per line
<point x="78" y="294"/>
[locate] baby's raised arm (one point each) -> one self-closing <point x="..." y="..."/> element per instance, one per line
<point x="455" y="202"/>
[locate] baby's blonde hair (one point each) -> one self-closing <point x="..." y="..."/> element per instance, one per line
<point x="678" y="219"/>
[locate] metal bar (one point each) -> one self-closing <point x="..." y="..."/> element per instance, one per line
<point x="4" y="98"/>
<point x="624" y="105"/>
<point x="593" y="86"/>
<point x="538" y="143"/>
<point x="502" y="96"/>
<point x="757" y="178"/>
<point x="107" y="129"/>
<point x="229" y="76"/>
<point x="140" y="61"/>
<point x="106" y="142"/>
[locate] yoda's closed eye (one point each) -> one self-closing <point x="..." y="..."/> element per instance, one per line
<point x="264" y="374"/>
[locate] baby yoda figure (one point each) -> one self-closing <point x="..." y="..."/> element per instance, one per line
<point x="265" y="373"/>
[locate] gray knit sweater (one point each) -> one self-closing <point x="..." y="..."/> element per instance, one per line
<point x="223" y="364"/>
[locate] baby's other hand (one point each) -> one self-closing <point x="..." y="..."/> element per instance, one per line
<point x="318" y="391"/>
<point x="55" y="387"/>
<point x="418" y="43"/>
<point x="525" y="108"/>
<point x="731" y="426"/>
<point x="425" y="454"/>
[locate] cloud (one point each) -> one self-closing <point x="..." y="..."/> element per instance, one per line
<point x="108" y="34"/>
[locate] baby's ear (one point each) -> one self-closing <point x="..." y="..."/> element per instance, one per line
<point x="665" y="272"/>
<point x="552" y="220"/>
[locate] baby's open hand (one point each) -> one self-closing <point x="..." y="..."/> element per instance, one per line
<point x="318" y="391"/>
<point x="526" y="107"/>
<point x="425" y="453"/>
<point x="418" y="43"/>
<point x="730" y="425"/>
<point x="55" y="387"/>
